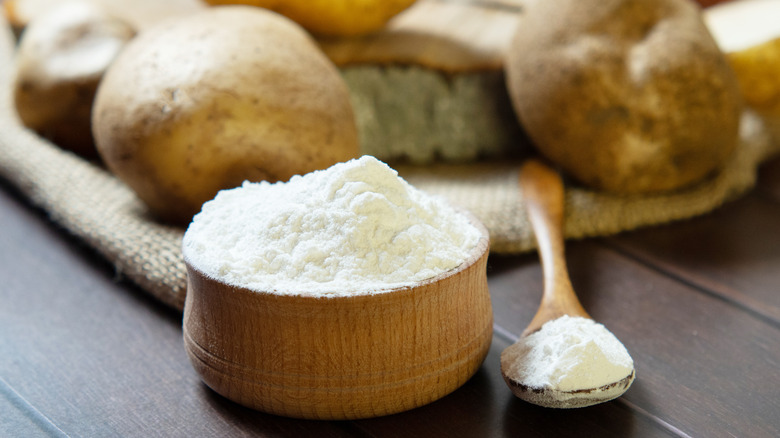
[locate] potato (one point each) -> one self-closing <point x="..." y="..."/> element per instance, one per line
<point x="203" y="102"/>
<point x="626" y="96"/>
<point x="61" y="58"/>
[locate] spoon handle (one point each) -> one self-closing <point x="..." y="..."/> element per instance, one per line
<point x="542" y="190"/>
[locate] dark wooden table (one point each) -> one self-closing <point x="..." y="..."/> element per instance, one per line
<point x="697" y="303"/>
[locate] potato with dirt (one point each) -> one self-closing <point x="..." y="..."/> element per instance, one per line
<point x="625" y="96"/>
<point x="201" y="103"/>
<point x="61" y="59"/>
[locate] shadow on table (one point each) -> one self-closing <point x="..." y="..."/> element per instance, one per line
<point x="611" y="419"/>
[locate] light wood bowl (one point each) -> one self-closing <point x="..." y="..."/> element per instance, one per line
<point x="345" y="357"/>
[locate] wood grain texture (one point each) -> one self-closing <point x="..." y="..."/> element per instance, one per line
<point x="687" y="346"/>
<point x="340" y="357"/>
<point x="733" y="253"/>
<point x="19" y="418"/>
<point x="769" y="179"/>
<point x="84" y="353"/>
<point x="543" y="191"/>
<point x="542" y="188"/>
<point x="484" y="407"/>
<point x="97" y="357"/>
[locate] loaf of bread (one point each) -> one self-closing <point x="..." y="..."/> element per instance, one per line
<point x="430" y="86"/>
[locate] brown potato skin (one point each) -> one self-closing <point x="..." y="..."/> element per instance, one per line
<point x="61" y="58"/>
<point x="201" y="103"/>
<point x="626" y="96"/>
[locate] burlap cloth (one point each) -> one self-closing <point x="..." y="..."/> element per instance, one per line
<point x="97" y="208"/>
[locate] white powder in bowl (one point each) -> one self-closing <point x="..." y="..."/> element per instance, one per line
<point x="356" y="227"/>
<point x="568" y="354"/>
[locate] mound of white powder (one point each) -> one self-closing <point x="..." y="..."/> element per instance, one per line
<point x="568" y="354"/>
<point x="356" y="227"/>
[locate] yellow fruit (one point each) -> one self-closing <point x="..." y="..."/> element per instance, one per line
<point x="758" y="71"/>
<point x="332" y="17"/>
<point x="748" y="32"/>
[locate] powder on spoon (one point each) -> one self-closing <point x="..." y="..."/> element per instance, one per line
<point x="569" y="354"/>
<point x="355" y="227"/>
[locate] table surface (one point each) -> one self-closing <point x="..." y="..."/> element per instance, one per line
<point x="85" y="353"/>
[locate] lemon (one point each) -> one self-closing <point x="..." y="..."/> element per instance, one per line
<point x="758" y="71"/>
<point x="748" y="32"/>
<point x="332" y="17"/>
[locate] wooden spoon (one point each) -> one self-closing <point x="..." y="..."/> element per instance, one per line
<point x="542" y="189"/>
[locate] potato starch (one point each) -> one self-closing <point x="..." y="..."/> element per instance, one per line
<point x="356" y="227"/>
<point x="568" y="354"/>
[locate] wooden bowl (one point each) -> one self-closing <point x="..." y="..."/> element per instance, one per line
<point x="345" y="357"/>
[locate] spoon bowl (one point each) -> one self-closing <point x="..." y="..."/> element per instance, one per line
<point x="543" y="191"/>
